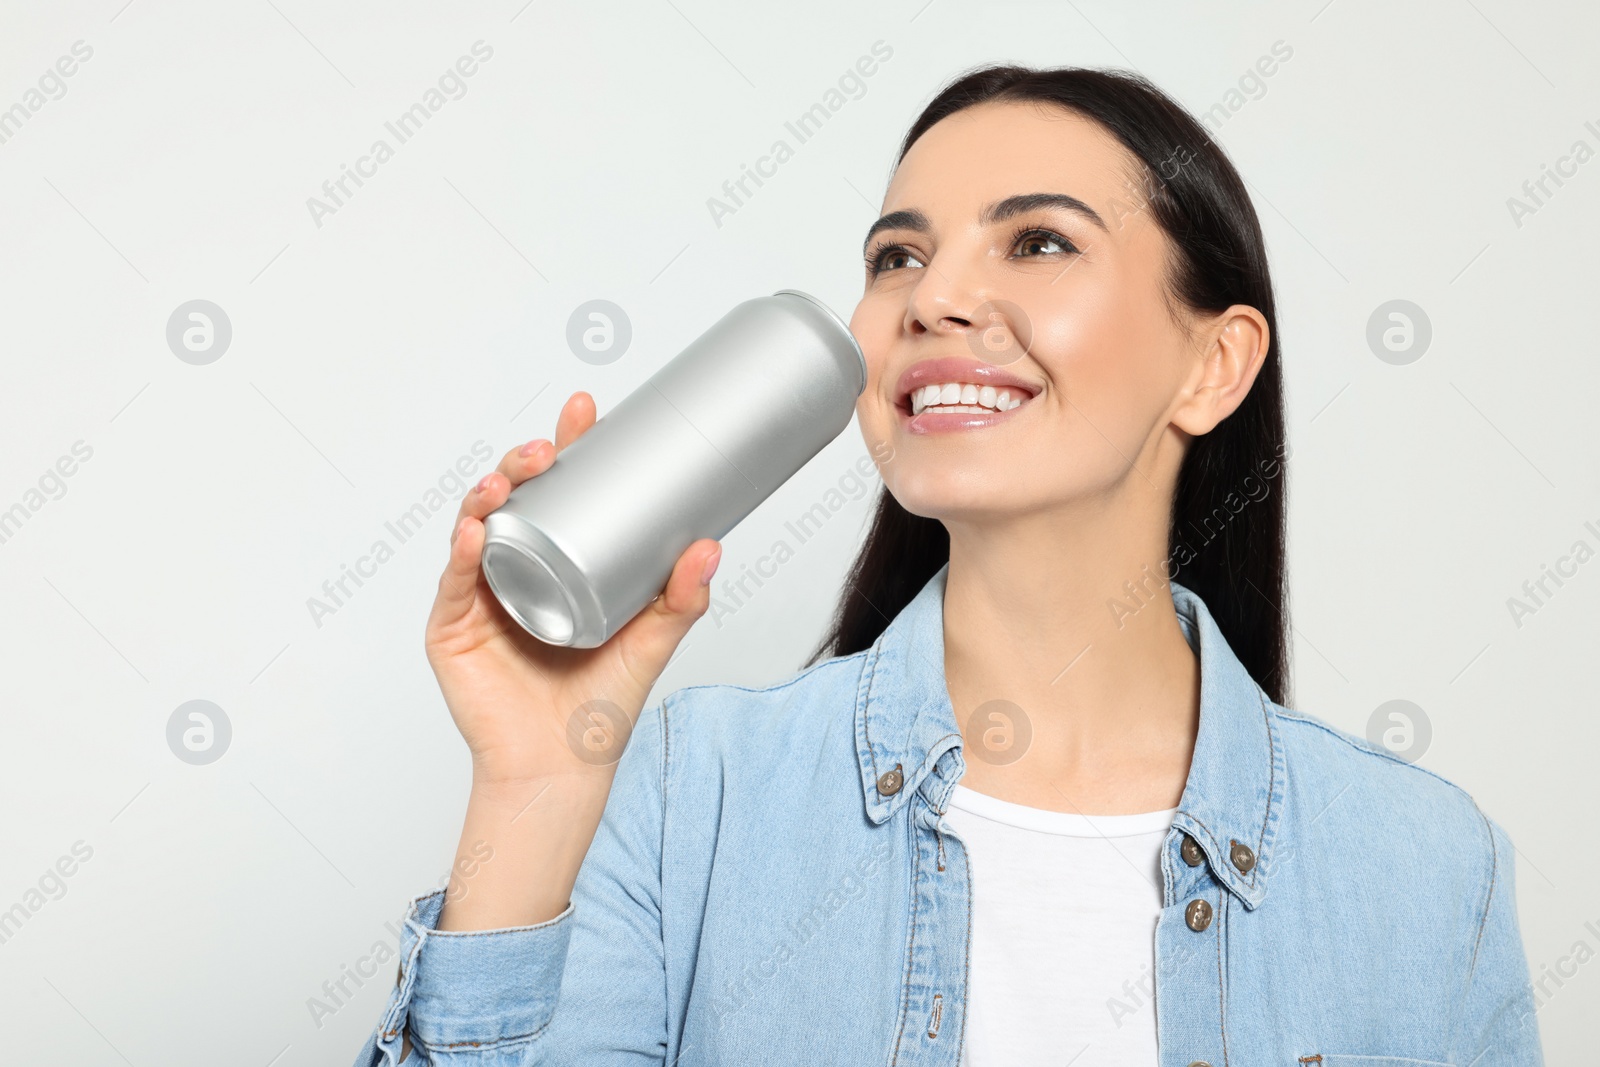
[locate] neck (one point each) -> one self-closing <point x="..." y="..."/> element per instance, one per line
<point x="1068" y="626"/>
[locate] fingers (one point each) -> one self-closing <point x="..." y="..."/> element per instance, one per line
<point x="577" y="415"/>
<point x="524" y="461"/>
<point x="533" y="458"/>
<point x="687" y="592"/>
<point x="530" y="459"/>
<point x="458" y="584"/>
<point x="646" y="642"/>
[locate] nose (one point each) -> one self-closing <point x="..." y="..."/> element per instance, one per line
<point x="940" y="305"/>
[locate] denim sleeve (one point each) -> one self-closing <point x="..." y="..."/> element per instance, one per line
<point x="490" y="997"/>
<point x="1497" y="1021"/>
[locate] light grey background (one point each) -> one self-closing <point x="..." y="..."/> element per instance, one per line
<point x="369" y="353"/>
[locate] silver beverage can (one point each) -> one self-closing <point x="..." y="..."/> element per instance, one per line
<point x="577" y="551"/>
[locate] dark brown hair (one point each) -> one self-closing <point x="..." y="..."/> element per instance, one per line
<point x="1225" y="544"/>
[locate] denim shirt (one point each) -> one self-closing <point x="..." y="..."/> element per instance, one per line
<point x="771" y="883"/>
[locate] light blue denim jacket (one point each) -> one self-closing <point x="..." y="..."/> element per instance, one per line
<point x="762" y="891"/>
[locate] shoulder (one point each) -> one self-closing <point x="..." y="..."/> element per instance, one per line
<point x="1364" y="799"/>
<point x="1320" y="747"/>
<point x="740" y="763"/>
<point x="807" y="701"/>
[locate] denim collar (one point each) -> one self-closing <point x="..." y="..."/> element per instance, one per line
<point x="1235" y="788"/>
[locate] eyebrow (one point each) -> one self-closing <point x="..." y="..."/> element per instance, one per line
<point x="999" y="211"/>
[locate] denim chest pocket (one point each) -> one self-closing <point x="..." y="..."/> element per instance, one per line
<point x="1333" y="1059"/>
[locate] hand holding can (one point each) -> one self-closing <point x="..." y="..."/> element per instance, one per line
<point x="575" y="554"/>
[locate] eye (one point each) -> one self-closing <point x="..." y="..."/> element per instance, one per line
<point x="884" y="257"/>
<point x="1034" y="241"/>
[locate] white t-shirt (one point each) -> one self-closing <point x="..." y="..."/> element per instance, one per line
<point x="1063" y="933"/>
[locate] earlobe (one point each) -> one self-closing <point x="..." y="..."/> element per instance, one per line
<point x="1237" y="349"/>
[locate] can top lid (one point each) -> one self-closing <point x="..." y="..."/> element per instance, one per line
<point x="855" y="345"/>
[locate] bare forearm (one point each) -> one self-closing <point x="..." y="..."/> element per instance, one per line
<point x="521" y="846"/>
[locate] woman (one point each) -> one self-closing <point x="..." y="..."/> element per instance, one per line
<point x="1037" y="798"/>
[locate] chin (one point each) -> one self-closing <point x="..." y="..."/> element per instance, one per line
<point x="942" y="492"/>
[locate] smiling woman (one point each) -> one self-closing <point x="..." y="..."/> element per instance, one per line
<point x="1144" y="333"/>
<point x="1000" y="817"/>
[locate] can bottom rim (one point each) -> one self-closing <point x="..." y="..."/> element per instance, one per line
<point x="530" y="592"/>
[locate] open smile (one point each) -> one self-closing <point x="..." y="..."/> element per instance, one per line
<point x="939" y="395"/>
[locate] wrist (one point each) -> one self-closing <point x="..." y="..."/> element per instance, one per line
<point x="495" y="785"/>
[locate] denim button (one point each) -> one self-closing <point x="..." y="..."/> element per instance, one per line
<point x="1197" y="915"/>
<point x="1199" y="1063"/>
<point x="889" y="782"/>
<point x="1191" y="852"/>
<point x="1242" y="857"/>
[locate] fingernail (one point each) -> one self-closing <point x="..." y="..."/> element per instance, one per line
<point x="530" y="448"/>
<point x="711" y="567"/>
<point x="484" y="484"/>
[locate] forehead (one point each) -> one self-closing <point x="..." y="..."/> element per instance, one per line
<point x="993" y="150"/>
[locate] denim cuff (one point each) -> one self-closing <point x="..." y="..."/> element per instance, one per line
<point x="474" y="988"/>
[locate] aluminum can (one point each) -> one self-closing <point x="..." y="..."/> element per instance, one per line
<point x="577" y="551"/>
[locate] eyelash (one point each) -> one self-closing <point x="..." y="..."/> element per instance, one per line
<point x="879" y="252"/>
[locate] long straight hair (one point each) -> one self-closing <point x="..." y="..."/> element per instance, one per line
<point x="1226" y="531"/>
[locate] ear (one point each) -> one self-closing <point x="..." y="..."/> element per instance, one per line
<point x="1233" y="347"/>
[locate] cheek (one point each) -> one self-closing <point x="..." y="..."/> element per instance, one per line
<point x="1110" y="359"/>
<point x="874" y="329"/>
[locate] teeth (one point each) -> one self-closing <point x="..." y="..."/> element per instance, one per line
<point x="962" y="396"/>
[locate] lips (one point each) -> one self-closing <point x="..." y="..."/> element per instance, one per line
<point x="959" y="369"/>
